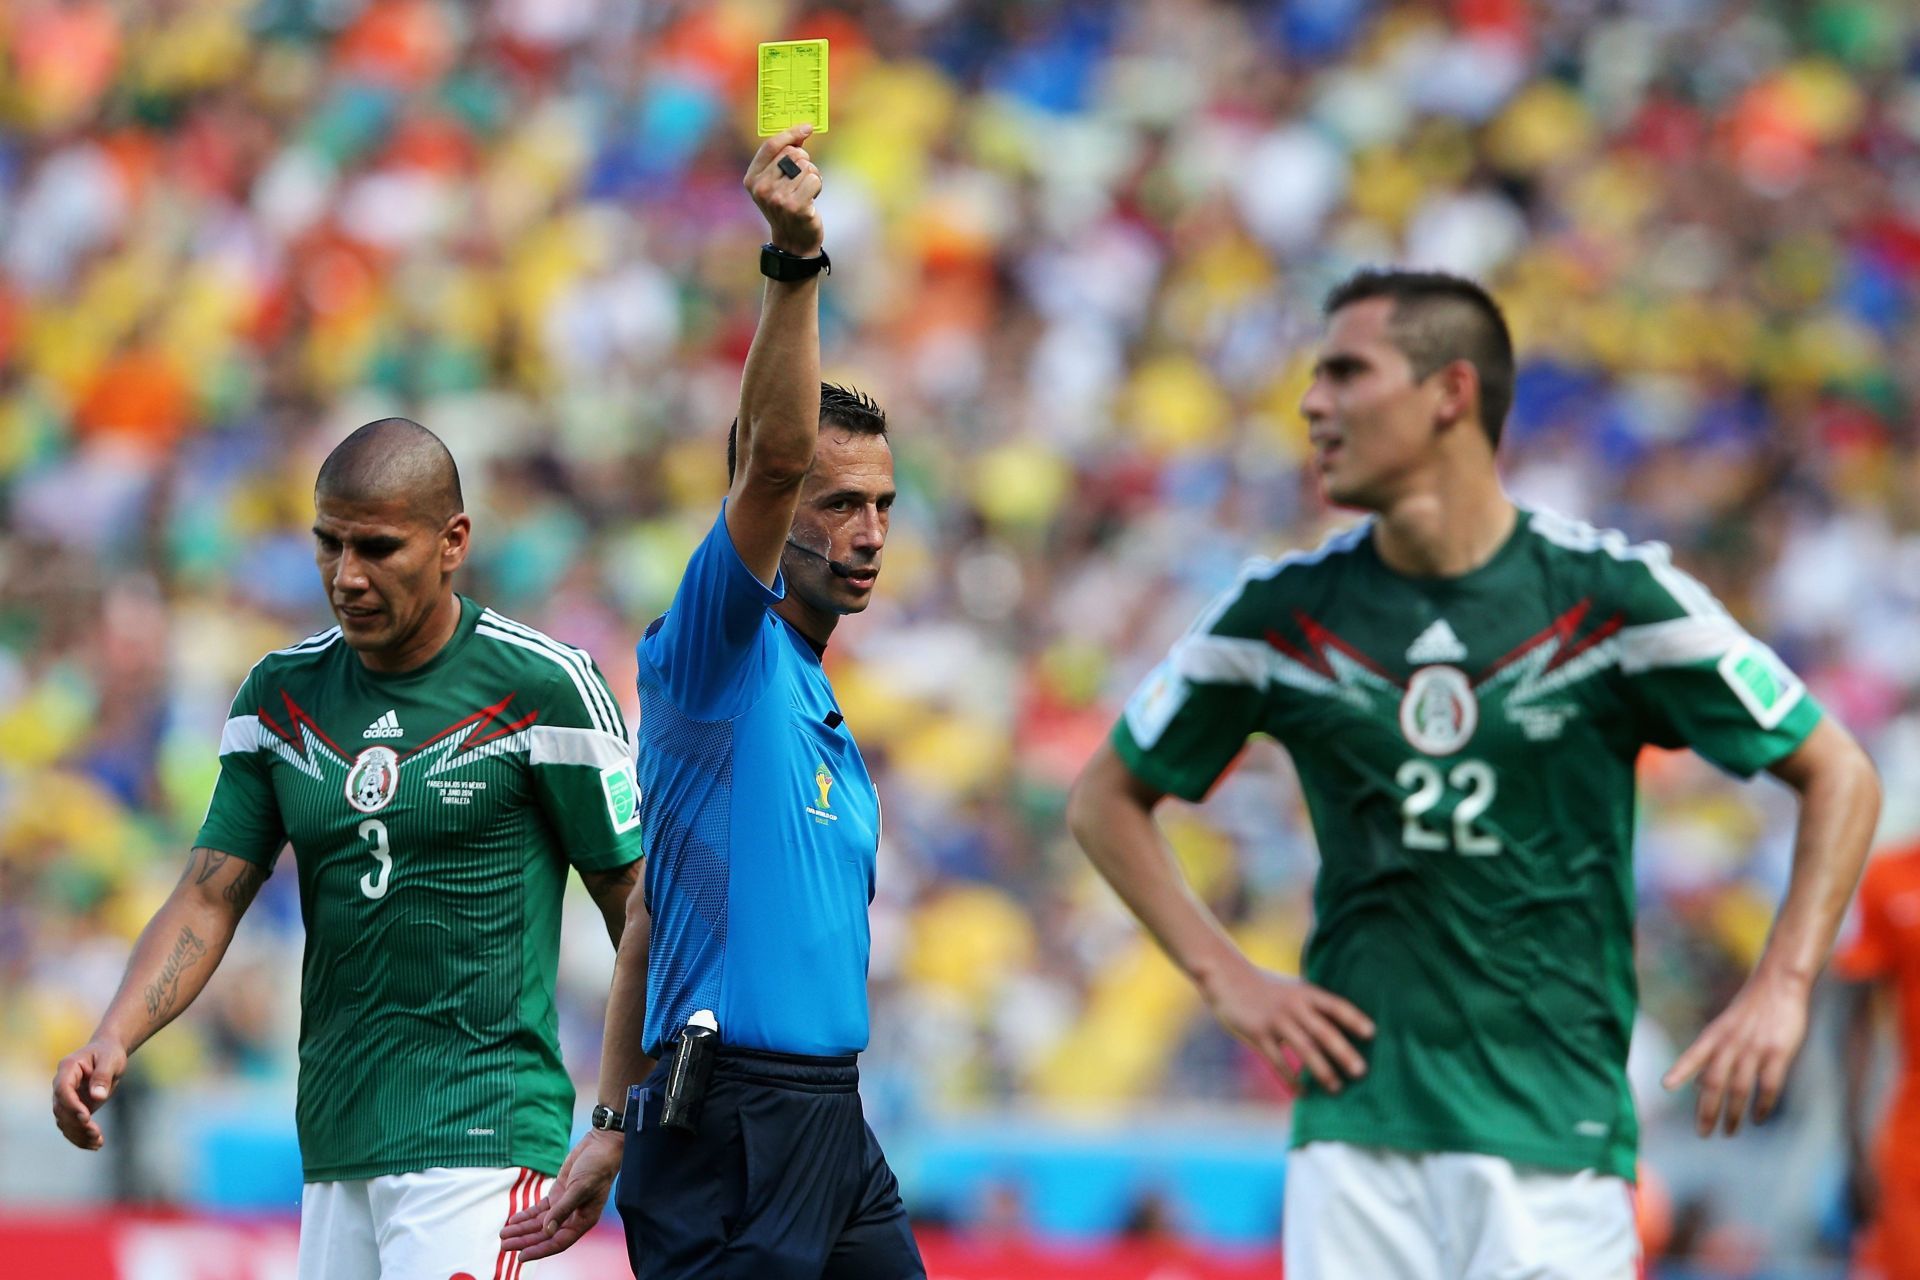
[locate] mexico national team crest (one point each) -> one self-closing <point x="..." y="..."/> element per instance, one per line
<point x="374" y="778"/>
<point x="1439" y="712"/>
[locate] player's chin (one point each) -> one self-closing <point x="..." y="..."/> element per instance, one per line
<point x="365" y="632"/>
<point x="1342" y="491"/>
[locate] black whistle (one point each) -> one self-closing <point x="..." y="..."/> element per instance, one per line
<point x="688" y="1077"/>
<point x="834" y="719"/>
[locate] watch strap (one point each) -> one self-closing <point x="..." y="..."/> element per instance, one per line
<point x="778" y="264"/>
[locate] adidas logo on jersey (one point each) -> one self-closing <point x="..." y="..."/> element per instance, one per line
<point x="1437" y="644"/>
<point x="387" y="726"/>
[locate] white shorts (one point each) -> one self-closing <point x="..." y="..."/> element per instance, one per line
<point x="1395" y="1215"/>
<point x="438" y="1224"/>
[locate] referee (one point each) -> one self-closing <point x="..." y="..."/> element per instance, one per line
<point x="761" y="825"/>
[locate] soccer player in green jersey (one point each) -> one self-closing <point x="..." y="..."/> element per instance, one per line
<point x="1464" y="687"/>
<point x="436" y="768"/>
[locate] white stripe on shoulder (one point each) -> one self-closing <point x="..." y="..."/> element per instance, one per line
<point x="1679" y="642"/>
<point x="1578" y="535"/>
<point x="313" y="643"/>
<point x="580" y="685"/>
<point x="318" y="642"/>
<point x="1207" y="659"/>
<point x="240" y="735"/>
<point x="1265" y="569"/>
<point x="609" y="710"/>
<point x="556" y="744"/>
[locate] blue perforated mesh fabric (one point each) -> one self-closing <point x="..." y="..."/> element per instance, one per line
<point x="686" y="783"/>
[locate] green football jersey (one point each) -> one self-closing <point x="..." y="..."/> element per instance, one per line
<point x="432" y="815"/>
<point x="1466" y="749"/>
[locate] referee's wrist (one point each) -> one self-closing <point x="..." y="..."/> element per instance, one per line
<point x="609" y="1119"/>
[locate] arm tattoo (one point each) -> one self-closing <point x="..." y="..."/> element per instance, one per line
<point x="610" y="891"/>
<point x="242" y="887"/>
<point x="239" y="891"/>
<point x="163" y="991"/>
<point x="619" y="880"/>
<point x="215" y="860"/>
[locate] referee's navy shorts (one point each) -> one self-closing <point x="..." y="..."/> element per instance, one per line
<point x="784" y="1181"/>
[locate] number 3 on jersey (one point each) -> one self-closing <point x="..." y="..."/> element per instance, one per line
<point x="1425" y="787"/>
<point x="375" y="830"/>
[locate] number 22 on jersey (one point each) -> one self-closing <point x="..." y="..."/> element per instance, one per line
<point x="1426" y="786"/>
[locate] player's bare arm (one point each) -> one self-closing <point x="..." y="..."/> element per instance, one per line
<point x="610" y="891"/>
<point x="578" y="1194"/>
<point x="780" y="390"/>
<point x="175" y="955"/>
<point x="1742" y="1057"/>
<point x="1111" y="814"/>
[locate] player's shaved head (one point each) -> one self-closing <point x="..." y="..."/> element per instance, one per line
<point x="1439" y="318"/>
<point x="394" y="458"/>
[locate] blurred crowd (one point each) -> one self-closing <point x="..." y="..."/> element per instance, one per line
<point x="1078" y="253"/>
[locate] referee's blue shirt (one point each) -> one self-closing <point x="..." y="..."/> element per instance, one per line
<point x="761" y="822"/>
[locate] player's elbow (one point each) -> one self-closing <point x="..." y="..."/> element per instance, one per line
<point x="1082" y="810"/>
<point x="1098" y="795"/>
<point x="1866" y="781"/>
<point x="1847" y="769"/>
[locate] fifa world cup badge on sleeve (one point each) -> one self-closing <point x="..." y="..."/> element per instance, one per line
<point x="1762" y="682"/>
<point x="623" y="797"/>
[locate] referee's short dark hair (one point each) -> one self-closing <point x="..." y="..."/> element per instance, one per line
<point x="1439" y="318"/>
<point x="844" y="407"/>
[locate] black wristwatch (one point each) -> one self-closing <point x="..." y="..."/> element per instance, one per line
<point x="778" y="264"/>
<point x="605" y="1117"/>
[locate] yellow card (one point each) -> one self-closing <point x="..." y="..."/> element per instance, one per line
<point x="793" y="85"/>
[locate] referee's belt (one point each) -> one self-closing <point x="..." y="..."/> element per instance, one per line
<point x="808" y="1072"/>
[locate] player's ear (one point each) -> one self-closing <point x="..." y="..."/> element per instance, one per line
<point x="455" y="540"/>
<point x="1459" y="386"/>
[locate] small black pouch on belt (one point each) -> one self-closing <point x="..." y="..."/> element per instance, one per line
<point x="694" y="1053"/>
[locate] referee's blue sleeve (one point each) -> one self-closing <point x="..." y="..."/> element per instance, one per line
<point x="710" y="649"/>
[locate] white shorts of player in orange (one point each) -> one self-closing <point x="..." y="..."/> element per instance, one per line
<point x="1394" y="1215"/>
<point x="438" y="1224"/>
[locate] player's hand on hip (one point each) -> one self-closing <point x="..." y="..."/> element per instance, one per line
<point x="792" y="220"/>
<point x="1293" y="1024"/>
<point x="82" y="1083"/>
<point x="1743" y="1055"/>
<point x="573" y="1202"/>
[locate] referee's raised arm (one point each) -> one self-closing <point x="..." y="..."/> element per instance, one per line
<point x="779" y="423"/>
